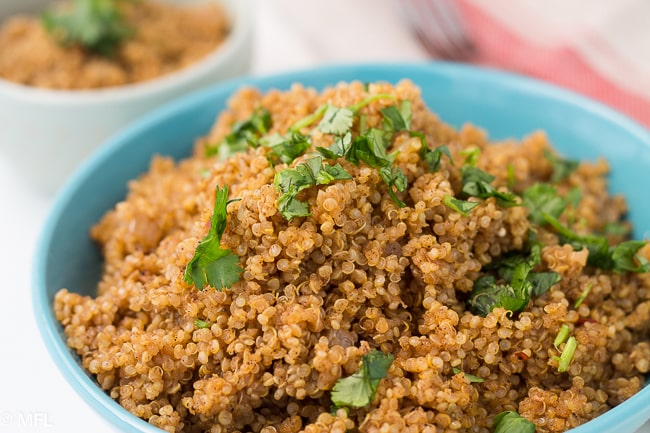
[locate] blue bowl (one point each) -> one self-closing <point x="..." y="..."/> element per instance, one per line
<point x="506" y="105"/>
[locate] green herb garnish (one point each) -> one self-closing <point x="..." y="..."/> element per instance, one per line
<point x="562" y="335"/>
<point x="211" y="264"/>
<point x="620" y="258"/>
<point x="583" y="295"/>
<point x="516" y="285"/>
<point x="476" y="183"/>
<point x="291" y="181"/>
<point x="562" y="168"/>
<point x="243" y="134"/>
<point x="432" y="156"/>
<point x="567" y="354"/>
<point x="540" y="199"/>
<point x="470" y="377"/>
<point x="359" y="389"/>
<point x="96" y="25"/>
<point x="201" y="324"/>
<point x="286" y="148"/>
<point x="336" y="121"/>
<point x="370" y="146"/>
<point x="463" y="207"/>
<point x="512" y="422"/>
<point x="471" y="155"/>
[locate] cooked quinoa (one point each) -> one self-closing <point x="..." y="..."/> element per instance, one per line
<point x="165" y="38"/>
<point x="360" y="273"/>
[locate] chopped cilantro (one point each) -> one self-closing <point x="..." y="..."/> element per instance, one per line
<point x="370" y="146"/>
<point x="573" y="197"/>
<point x="286" y="148"/>
<point x="562" y="168"/>
<point x="201" y="324"/>
<point x="309" y="119"/>
<point x="396" y="180"/>
<point x="625" y="257"/>
<point x="616" y="229"/>
<point x="463" y="207"/>
<point x="512" y="422"/>
<point x="583" y="295"/>
<point x="620" y="258"/>
<point x="397" y="119"/>
<point x="562" y="335"/>
<point x="470" y="377"/>
<point x="212" y="264"/>
<point x="336" y="121"/>
<point x="291" y="181"/>
<point x="471" y="155"/>
<point x="564" y="360"/>
<point x="96" y="25"/>
<point x="540" y="199"/>
<point x="338" y="149"/>
<point x="432" y="156"/>
<point x="476" y="183"/>
<point x="516" y="285"/>
<point x="359" y="389"/>
<point x="243" y="134"/>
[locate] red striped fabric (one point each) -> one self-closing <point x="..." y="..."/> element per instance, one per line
<point x="499" y="47"/>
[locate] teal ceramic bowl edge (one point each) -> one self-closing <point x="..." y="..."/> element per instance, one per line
<point x="507" y="105"/>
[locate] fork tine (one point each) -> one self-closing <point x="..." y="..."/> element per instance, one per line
<point x="450" y="19"/>
<point x="439" y="26"/>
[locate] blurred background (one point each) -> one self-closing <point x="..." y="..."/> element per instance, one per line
<point x="600" y="48"/>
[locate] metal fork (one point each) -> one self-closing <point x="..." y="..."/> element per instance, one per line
<point x="440" y="28"/>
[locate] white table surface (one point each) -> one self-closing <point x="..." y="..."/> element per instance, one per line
<point x="34" y="397"/>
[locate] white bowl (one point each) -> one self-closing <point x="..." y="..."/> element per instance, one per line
<point x="45" y="134"/>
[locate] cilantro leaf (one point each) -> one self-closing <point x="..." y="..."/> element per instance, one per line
<point x="243" y="134"/>
<point x="96" y="25"/>
<point x="286" y="148"/>
<point x="396" y="180"/>
<point x="583" y="295"/>
<point x="470" y="377"/>
<point x="397" y="119"/>
<point x="336" y="120"/>
<point x="338" y="149"/>
<point x="487" y="295"/>
<point x="359" y="389"/>
<point x="463" y="207"/>
<point x="564" y="360"/>
<point x="542" y="282"/>
<point x="291" y="181"/>
<point x="309" y="119"/>
<point x="518" y="283"/>
<point x="599" y="254"/>
<point x="201" y="324"/>
<point x="476" y="183"/>
<point x="370" y="145"/>
<point x="432" y="156"/>
<point x="562" y="168"/>
<point x="369" y="148"/>
<point x="620" y="258"/>
<point x="540" y="199"/>
<point x="625" y="257"/>
<point x="512" y="422"/>
<point x="211" y="264"/>
<point x="471" y="155"/>
<point x="562" y="335"/>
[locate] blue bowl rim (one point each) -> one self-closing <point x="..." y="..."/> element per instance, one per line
<point x="88" y="389"/>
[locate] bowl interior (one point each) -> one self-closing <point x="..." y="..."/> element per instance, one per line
<point x="503" y="104"/>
